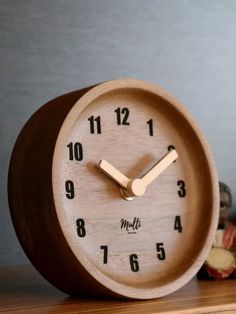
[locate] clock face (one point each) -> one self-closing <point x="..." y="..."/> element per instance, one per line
<point x="145" y="242"/>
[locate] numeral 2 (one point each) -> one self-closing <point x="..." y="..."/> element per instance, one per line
<point x="169" y="148"/>
<point x="122" y="115"/>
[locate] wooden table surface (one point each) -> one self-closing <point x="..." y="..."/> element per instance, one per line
<point x="23" y="290"/>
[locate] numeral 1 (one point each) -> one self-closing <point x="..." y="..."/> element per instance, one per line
<point x="75" y="151"/>
<point x="105" y="253"/>
<point x="178" y="225"/>
<point x="69" y="187"/>
<point x="95" y="125"/>
<point x="122" y="115"/>
<point x="150" y="123"/>
<point x="134" y="265"/>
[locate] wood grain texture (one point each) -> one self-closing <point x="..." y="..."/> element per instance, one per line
<point x="98" y="201"/>
<point x="30" y="197"/>
<point x="47" y="222"/>
<point x="23" y="290"/>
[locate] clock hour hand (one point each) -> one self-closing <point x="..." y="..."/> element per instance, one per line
<point x="113" y="173"/>
<point x="137" y="187"/>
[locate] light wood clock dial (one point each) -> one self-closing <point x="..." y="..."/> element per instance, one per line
<point x="113" y="191"/>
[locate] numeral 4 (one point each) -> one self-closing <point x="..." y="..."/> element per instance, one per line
<point x="177" y="224"/>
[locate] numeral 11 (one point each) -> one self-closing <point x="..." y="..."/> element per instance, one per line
<point x="95" y="125"/>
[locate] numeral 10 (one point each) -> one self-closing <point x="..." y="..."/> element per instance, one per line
<point x="75" y="151"/>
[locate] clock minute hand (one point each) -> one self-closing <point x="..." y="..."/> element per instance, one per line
<point x="113" y="173"/>
<point x="137" y="187"/>
<point x="159" y="167"/>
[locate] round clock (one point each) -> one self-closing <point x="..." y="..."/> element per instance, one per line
<point x="113" y="191"/>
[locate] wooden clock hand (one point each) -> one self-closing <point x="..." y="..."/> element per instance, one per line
<point x="137" y="187"/>
<point x="113" y="173"/>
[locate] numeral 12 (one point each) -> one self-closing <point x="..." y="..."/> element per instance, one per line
<point x="122" y="115"/>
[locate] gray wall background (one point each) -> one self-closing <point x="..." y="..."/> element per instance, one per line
<point x="48" y="48"/>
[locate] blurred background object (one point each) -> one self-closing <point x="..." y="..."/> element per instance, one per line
<point x="221" y="260"/>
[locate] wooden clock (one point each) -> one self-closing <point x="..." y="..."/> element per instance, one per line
<point x="113" y="191"/>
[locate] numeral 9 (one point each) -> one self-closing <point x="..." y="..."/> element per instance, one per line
<point x="69" y="187"/>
